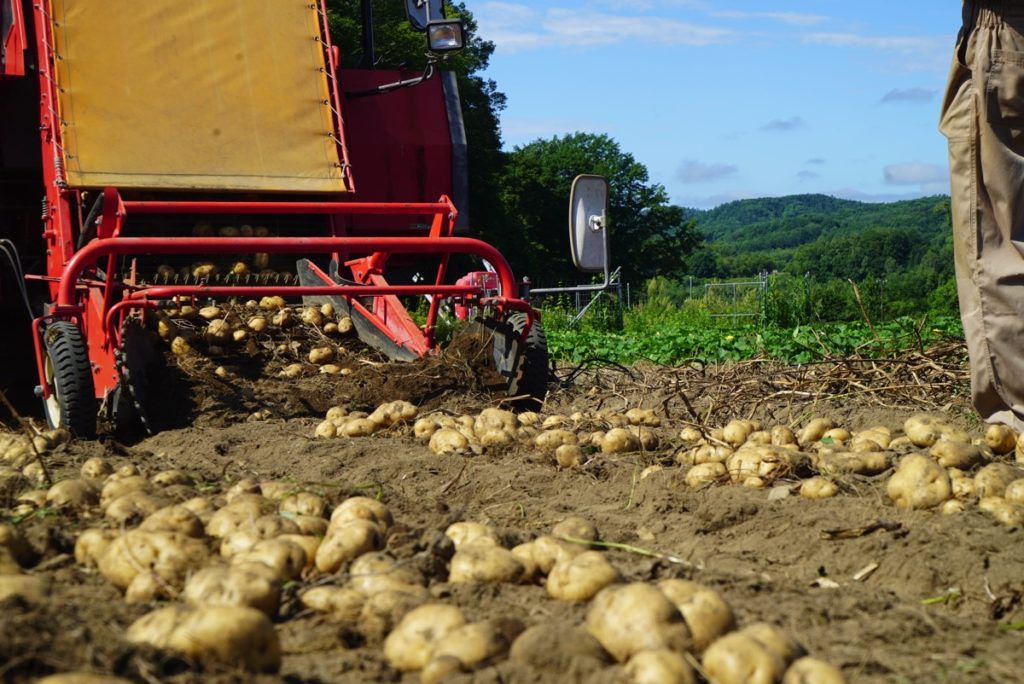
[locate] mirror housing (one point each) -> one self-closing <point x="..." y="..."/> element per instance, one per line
<point x="588" y="223"/>
<point x="422" y="12"/>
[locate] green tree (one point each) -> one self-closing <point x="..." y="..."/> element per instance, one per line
<point x="398" y="45"/>
<point x="648" y="236"/>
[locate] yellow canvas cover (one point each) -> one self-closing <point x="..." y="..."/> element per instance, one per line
<point x="195" y="94"/>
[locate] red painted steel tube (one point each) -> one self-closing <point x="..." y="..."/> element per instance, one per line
<point x="276" y="208"/>
<point x="297" y="245"/>
<point x="168" y="291"/>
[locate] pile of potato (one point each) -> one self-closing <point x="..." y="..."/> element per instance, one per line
<point x="217" y="328"/>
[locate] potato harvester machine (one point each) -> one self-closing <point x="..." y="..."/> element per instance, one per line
<point x="163" y="139"/>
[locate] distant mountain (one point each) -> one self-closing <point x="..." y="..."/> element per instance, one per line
<point x="787" y="222"/>
<point x="824" y="236"/>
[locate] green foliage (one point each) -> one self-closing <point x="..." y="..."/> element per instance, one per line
<point x="649" y="236"/>
<point x="674" y="342"/>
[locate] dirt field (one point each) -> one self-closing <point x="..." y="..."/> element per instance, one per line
<point x="936" y="609"/>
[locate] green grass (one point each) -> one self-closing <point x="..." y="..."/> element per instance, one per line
<point x="669" y="336"/>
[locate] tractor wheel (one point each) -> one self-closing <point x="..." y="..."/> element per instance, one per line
<point x="72" y="403"/>
<point x="530" y="372"/>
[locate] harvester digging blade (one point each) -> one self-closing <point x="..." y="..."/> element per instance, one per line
<point x="137" y="361"/>
<point x="370" y="334"/>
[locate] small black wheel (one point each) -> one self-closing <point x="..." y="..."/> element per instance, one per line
<point x="72" y="403"/>
<point x="529" y="372"/>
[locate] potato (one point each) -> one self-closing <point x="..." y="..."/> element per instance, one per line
<point x="234" y="636"/>
<point x="924" y="430"/>
<point x="528" y="418"/>
<point x="690" y="435"/>
<point x="658" y="667"/>
<point x="478" y="643"/>
<point x="814" y="430"/>
<point x="170" y="555"/>
<point x="1014" y="492"/>
<point x="919" y="482"/>
<point x="229" y="518"/>
<point x="73" y="494"/>
<point x="343" y="604"/>
<point x="963" y="488"/>
<point x="739" y="658"/>
<point x="326" y="430"/>
<point x="304" y="503"/>
<point x="581" y="577"/>
<point x="481" y="561"/>
<point x="1009" y="514"/>
<point x="818" y="488"/>
<point x="568" y="456"/>
<point x="956" y="454"/>
<point x="375" y="572"/>
<point x="410" y="646"/>
<point x="993" y="479"/>
<point x="550" y="440"/>
<point x="424" y="428"/>
<point x="639" y="416"/>
<point x="1001" y="439"/>
<point x="812" y="671"/>
<point x="275" y="558"/>
<point x="548" y="550"/>
<point x="363" y="508"/>
<point x="346" y="542"/>
<point x="619" y="441"/>
<point x="524" y="552"/>
<point x="26" y="588"/>
<point x="705" y="474"/>
<point x="952" y="507"/>
<point x="645" y="436"/>
<point x="843" y="463"/>
<point x="448" y="441"/>
<point x="92" y="544"/>
<point x="133" y="506"/>
<point x="247" y="535"/>
<point x="706" y="612"/>
<point x="736" y="432"/>
<point x="116" y="487"/>
<point x="440" y="668"/>
<point x="96" y="468"/>
<point x="775" y="640"/>
<point x="630" y="618"/>
<point x="577" y="528"/>
<point x="385" y="609"/>
<point x="233" y="586"/>
<point x="467" y="532"/>
<point x="82" y="678"/>
<point x="394" y="413"/>
<point x="496" y="419"/>
<point x="175" y="518"/>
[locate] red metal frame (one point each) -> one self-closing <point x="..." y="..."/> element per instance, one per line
<point x="98" y="306"/>
<point x="15" y="43"/>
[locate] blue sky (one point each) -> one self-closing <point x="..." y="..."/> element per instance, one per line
<point x="736" y="99"/>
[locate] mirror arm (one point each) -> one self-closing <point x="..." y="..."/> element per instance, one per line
<point x="584" y="288"/>
<point x="428" y="73"/>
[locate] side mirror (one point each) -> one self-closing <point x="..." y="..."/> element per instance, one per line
<point x="422" y="12"/>
<point x="588" y="223"/>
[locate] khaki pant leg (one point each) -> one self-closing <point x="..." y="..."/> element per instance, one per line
<point x="983" y="118"/>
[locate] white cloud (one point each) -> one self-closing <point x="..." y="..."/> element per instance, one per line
<point x="790" y="124"/>
<point x="517" y="27"/>
<point x="693" y="171"/>
<point x="807" y="175"/>
<point x="856" y="40"/>
<point x="517" y="130"/>
<point x="712" y="201"/>
<point x="878" y="198"/>
<point x="912" y="95"/>
<point x="915" y="173"/>
<point x="792" y="18"/>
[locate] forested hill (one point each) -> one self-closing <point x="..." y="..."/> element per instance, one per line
<point x="825" y="236"/>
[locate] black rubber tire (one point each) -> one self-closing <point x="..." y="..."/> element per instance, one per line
<point x="531" y="374"/>
<point x="74" y="405"/>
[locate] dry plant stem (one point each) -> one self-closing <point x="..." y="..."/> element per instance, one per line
<point x="863" y="311"/>
<point x="632" y="549"/>
<point x="31" y="434"/>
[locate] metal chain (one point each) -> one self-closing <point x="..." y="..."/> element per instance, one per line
<point x="124" y="376"/>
